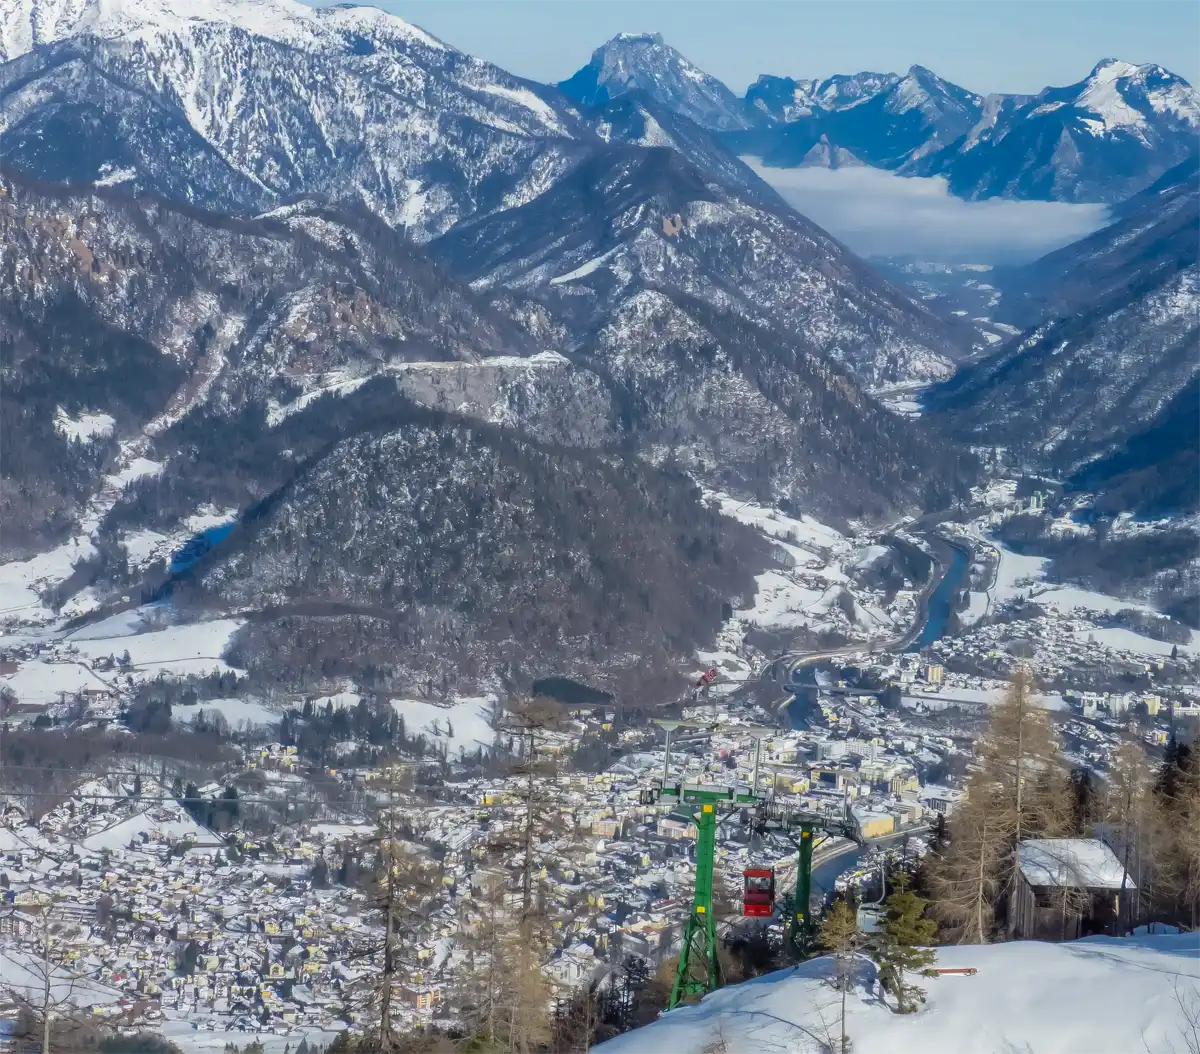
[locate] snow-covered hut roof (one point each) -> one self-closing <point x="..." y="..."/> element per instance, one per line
<point x="1083" y="863"/>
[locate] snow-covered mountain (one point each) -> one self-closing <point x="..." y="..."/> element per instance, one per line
<point x="243" y="105"/>
<point x="644" y="63"/>
<point x="640" y="218"/>
<point x="1102" y="139"/>
<point x="883" y="120"/>
<point x="254" y="105"/>
<point x="155" y="317"/>
<point x="786" y="99"/>
<point x="718" y="322"/>
<point x="163" y="366"/>
<point x="264" y="259"/>
<point x="641" y="120"/>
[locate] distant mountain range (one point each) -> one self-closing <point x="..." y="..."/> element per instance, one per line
<point x="1102" y="139"/>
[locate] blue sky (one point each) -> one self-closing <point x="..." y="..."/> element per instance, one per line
<point x="984" y="45"/>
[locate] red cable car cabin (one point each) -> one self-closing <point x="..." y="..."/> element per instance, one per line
<point x="758" y="897"/>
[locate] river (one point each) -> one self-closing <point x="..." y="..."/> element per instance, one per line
<point x="825" y="874"/>
<point x="941" y="603"/>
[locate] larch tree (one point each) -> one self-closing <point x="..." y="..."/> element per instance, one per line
<point x="1021" y="775"/>
<point x="1018" y="789"/>
<point x="486" y="930"/>
<point x="537" y="819"/>
<point x="1188" y="812"/>
<point x="840" y="936"/>
<point x="1177" y="808"/>
<point x="529" y="837"/>
<point x="401" y="888"/>
<point x="1129" y="806"/>
<point x="967" y="874"/>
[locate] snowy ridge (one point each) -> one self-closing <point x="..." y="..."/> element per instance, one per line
<point x="264" y="101"/>
<point x="884" y="120"/>
<point x="1101" y="139"/>
<point x="26" y="24"/>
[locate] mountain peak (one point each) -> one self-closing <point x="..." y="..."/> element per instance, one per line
<point x="924" y="90"/>
<point x="644" y="62"/>
<point x="636" y="38"/>
<point x="1111" y="69"/>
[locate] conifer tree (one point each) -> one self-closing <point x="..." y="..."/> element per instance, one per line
<point x="1175" y="762"/>
<point x="965" y="875"/>
<point x="513" y="998"/>
<point x="1085" y="802"/>
<point x="901" y="946"/>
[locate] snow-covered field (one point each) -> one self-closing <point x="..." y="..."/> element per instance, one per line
<point x="83" y="428"/>
<point x="1116" y="638"/>
<point x="180" y="826"/>
<point x="990" y="695"/>
<point x="1100" y="995"/>
<point x="193" y="648"/>
<point x="237" y="712"/>
<point x="21" y="581"/>
<point x="38" y="683"/>
<point x="1025" y="576"/>
<point x="463" y="727"/>
<point x="196" y="647"/>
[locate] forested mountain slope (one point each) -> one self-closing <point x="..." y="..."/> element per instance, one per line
<point x="429" y="550"/>
<point x="1113" y="349"/>
<point x="721" y="326"/>
<point x="143" y="311"/>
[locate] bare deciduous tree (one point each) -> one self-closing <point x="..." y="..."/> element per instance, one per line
<point x="1129" y="807"/>
<point x="1018" y="790"/>
<point x="48" y="1000"/>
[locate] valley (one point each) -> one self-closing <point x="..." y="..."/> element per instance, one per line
<point x="416" y="480"/>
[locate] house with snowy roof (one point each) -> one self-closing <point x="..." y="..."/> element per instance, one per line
<point x="1069" y="888"/>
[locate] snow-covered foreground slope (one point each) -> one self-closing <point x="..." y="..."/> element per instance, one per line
<point x="1095" y="996"/>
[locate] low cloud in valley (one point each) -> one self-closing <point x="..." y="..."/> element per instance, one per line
<point x="878" y="213"/>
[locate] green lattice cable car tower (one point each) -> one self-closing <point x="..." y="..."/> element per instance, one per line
<point x="699" y="968"/>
